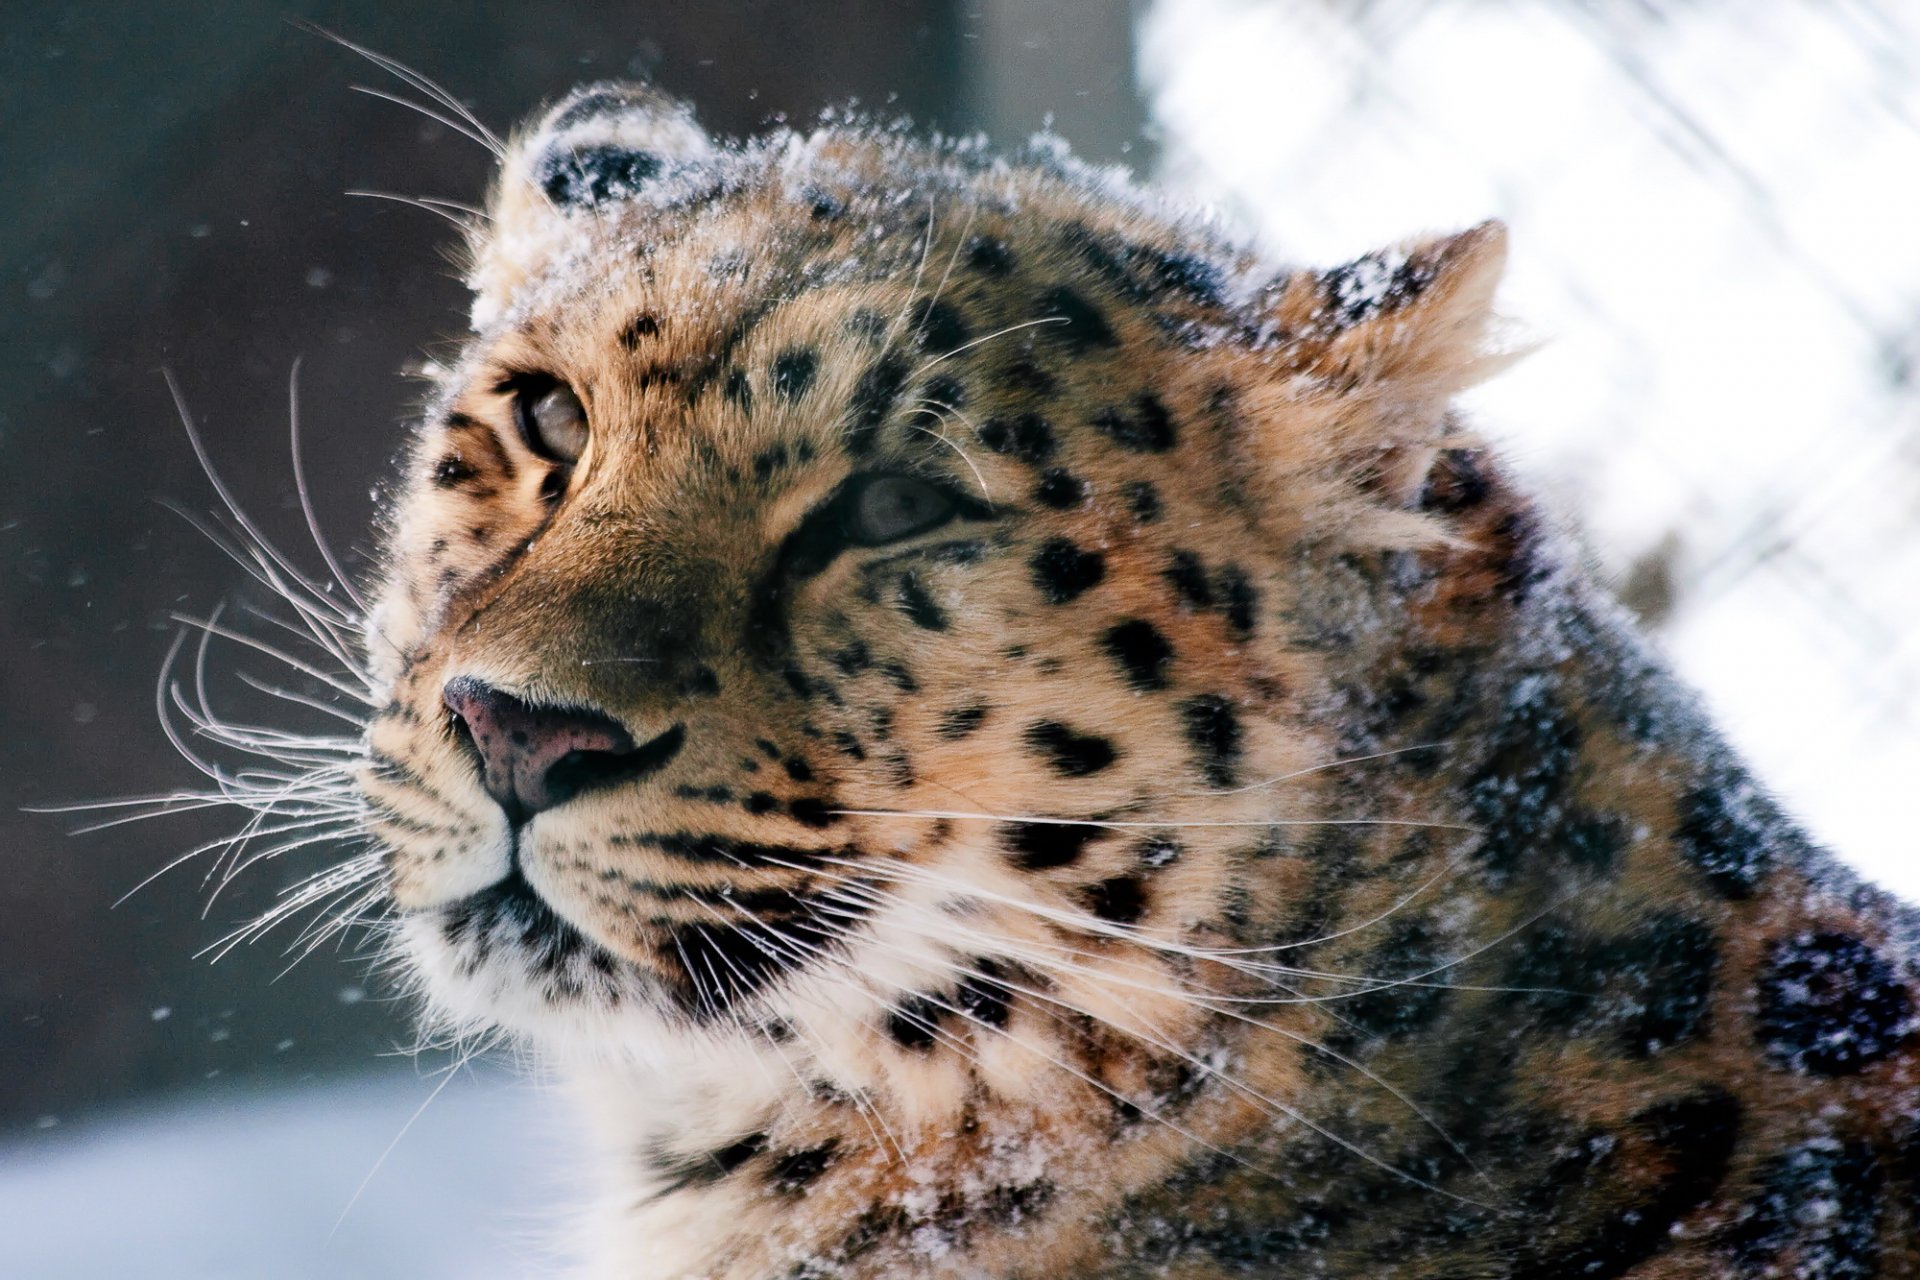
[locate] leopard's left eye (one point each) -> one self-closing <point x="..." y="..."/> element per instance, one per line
<point x="889" y="508"/>
<point x="553" y="422"/>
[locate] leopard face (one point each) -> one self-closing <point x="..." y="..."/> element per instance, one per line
<point x="899" y="613"/>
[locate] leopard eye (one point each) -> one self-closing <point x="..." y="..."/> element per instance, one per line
<point x="553" y="422"/>
<point x="889" y="508"/>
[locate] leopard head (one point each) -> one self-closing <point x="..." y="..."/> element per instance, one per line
<point x="848" y="592"/>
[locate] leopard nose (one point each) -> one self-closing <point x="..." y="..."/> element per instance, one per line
<point x="534" y="758"/>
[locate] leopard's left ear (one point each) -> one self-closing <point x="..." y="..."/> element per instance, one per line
<point x="603" y="148"/>
<point x="1407" y="325"/>
<point x="1368" y="356"/>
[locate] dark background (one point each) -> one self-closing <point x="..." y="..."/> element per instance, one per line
<point x="174" y="198"/>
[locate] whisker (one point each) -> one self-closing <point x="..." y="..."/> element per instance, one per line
<point x="420" y="82"/>
<point x="417" y="202"/>
<point x="1140" y="825"/>
<point x="306" y="494"/>
<point x="259" y="540"/>
<point x="977" y="477"/>
<point x="211" y="627"/>
<point x="968" y="346"/>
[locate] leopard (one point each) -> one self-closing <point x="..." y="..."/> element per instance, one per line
<point x="984" y="727"/>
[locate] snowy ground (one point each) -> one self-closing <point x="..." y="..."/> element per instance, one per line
<point x="252" y="1187"/>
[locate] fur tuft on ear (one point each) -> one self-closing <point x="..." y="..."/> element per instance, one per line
<point x="603" y="148"/>
<point x="1408" y="322"/>
<point x="1369" y="355"/>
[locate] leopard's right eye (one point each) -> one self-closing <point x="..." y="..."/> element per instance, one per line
<point x="551" y="418"/>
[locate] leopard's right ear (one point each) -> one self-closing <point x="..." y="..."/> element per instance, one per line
<point x="604" y="147"/>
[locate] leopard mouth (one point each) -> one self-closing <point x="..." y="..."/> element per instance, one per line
<point x="511" y="913"/>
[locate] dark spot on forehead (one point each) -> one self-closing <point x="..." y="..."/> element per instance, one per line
<point x="594" y="175"/>
<point x="946" y="391"/>
<point x="738" y="390"/>
<point x="1240" y="600"/>
<point x="961" y="721"/>
<point x="793" y="371"/>
<point x="1830" y="1005"/>
<point x="1594" y="842"/>
<point x="873" y="399"/>
<point x="989" y="255"/>
<point x="1143" y="272"/>
<point x="939" y="326"/>
<point x="1141" y="653"/>
<point x="1143" y="500"/>
<point x="1039" y="845"/>
<point x="1063" y="572"/>
<point x="1078" y="325"/>
<point x="1143" y="427"/>
<point x="1026" y="436"/>
<point x="1213" y="729"/>
<point x="1025" y="375"/>
<point x="1071" y="754"/>
<point x="1188" y="576"/>
<point x="644" y="325"/>
<point x="823" y="206"/>
<point x="1060" y="489"/>
<point x="1119" y="900"/>
<point x="1155" y="852"/>
<point x="769" y="460"/>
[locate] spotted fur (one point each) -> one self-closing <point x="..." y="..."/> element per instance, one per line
<point x="1238" y="841"/>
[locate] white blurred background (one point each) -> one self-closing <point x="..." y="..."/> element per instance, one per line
<point x="1715" y="217"/>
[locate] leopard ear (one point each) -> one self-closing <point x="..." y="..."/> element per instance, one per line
<point x="1366" y="359"/>
<point x="1407" y="325"/>
<point x="603" y="147"/>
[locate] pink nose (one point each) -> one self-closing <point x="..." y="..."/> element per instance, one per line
<point x="533" y="758"/>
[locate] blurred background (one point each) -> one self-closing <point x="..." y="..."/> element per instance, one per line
<point x="1712" y="204"/>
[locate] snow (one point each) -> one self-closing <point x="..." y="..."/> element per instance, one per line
<point x="250" y="1186"/>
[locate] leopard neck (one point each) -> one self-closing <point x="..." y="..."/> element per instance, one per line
<point x="1628" y="1010"/>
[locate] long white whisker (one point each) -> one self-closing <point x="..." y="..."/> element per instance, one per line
<point x="417" y="202"/>
<point x="418" y="81"/>
<point x="306" y="494"/>
<point x="1135" y="825"/>
<point x="997" y="333"/>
